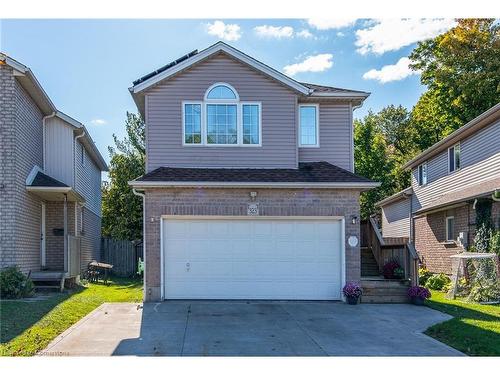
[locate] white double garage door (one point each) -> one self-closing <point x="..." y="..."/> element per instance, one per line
<point x="286" y="258"/>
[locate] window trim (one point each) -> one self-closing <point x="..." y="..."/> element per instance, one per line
<point x="448" y="228"/>
<point x="204" y="121"/>
<point x="316" y="145"/>
<point x="420" y="180"/>
<point x="454" y="158"/>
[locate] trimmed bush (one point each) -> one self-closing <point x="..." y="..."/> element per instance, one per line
<point x="15" y="284"/>
<point x="437" y="281"/>
<point x="423" y="275"/>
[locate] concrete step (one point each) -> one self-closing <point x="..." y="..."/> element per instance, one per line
<point x="384" y="299"/>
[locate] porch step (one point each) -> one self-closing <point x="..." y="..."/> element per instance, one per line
<point x="369" y="266"/>
<point x="48" y="280"/>
<point x="384" y="291"/>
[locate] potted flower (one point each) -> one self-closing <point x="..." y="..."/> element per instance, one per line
<point x="393" y="270"/>
<point x="418" y="294"/>
<point x="352" y="292"/>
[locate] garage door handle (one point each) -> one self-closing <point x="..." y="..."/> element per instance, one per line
<point x="188" y="266"/>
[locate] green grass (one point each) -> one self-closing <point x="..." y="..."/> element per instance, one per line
<point x="28" y="327"/>
<point x="474" y="329"/>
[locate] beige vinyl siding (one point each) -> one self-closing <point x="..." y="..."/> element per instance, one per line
<point x="335" y="137"/>
<point x="88" y="180"/>
<point x="479" y="160"/>
<point x="59" y="150"/>
<point x="395" y="219"/>
<point x="164" y="118"/>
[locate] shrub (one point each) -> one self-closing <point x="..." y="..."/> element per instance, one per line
<point x="14" y="284"/>
<point x="423" y="275"/>
<point x="482" y="239"/>
<point x="419" y="292"/>
<point x="495" y="243"/>
<point x="485" y="292"/>
<point x="391" y="269"/>
<point x="352" y="289"/>
<point x="437" y="281"/>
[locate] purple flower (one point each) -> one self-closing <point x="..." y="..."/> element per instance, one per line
<point x="419" y="292"/>
<point x="352" y="289"/>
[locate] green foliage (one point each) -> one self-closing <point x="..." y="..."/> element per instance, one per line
<point x="482" y="239"/>
<point x="437" y="281"/>
<point x="381" y="147"/>
<point x="121" y="209"/>
<point x="461" y="70"/>
<point x="15" y="284"/>
<point x="423" y="275"/>
<point x="495" y="243"/>
<point x="483" y="213"/>
<point x="487" y="291"/>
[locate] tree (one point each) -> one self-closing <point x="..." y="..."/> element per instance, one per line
<point x="461" y="69"/>
<point x="121" y="209"/>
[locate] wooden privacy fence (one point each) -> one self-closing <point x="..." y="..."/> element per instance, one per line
<point x="122" y="254"/>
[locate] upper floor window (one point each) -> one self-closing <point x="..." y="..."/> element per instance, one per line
<point x="221" y="119"/>
<point x="422" y="174"/>
<point x="308" y="125"/>
<point x="454" y="158"/>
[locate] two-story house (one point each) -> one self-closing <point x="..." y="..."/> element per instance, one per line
<point x="50" y="181"/>
<point x="450" y="180"/>
<point x="249" y="187"/>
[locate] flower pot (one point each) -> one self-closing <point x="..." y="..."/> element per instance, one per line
<point x="417" y="301"/>
<point x="352" y="300"/>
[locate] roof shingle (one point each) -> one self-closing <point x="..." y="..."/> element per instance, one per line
<point x="41" y="179"/>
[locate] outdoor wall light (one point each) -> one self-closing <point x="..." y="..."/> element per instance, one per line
<point x="353" y="219"/>
<point x="253" y="195"/>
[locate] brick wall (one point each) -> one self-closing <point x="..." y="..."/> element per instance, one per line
<point x="233" y="202"/>
<point x="54" y="244"/>
<point x="430" y="238"/>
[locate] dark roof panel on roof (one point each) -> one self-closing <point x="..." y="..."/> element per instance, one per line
<point x="41" y="179"/>
<point x="316" y="172"/>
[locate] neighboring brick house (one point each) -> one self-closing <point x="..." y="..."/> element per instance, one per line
<point x="449" y="181"/>
<point x="50" y="180"/>
<point x="249" y="187"/>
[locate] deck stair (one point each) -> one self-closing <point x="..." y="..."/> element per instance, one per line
<point x="380" y="290"/>
<point x="369" y="266"/>
<point x="48" y="279"/>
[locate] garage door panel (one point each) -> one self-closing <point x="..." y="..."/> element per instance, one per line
<point x="252" y="258"/>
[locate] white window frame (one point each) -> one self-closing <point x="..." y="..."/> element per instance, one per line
<point x="420" y="180"/>
<point x="204" y="120"/>
<point x="316" y="145"/>
<point x="454" y="147"/>
<point x="448" y="229"/>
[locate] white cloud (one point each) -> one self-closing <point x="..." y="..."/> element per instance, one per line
<point x="317" y="63"/>
<point x="306" y="34"/>
<point x="266" y="31"/>
<point x="331" y="23"/>
<point x="98" y="122"/>
<point x="229" y="32"/>
<point x="393" y="34"/>
<point x="340" y="34"/>
<point x="390" y="73"/>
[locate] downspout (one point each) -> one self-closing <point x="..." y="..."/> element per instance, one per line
<point x="74" y="157"/>
<point x="53" y="114"/>
<point x="143" y="196"/>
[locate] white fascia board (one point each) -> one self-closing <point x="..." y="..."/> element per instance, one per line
<point x="32" y="175"/>
<point x="345" y="95"/>
<point x="296" y="185"/>
<point x="231" y="51"/>
<point x="69" y="120"/>
<point x="48" y="189"/>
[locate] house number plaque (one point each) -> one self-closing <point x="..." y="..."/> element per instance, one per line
<point x="253" y="209"/>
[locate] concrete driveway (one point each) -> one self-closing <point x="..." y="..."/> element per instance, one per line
<point x="232" y="328"/>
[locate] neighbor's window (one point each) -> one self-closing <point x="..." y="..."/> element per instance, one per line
<point x="308" y="125"/>
<point x="450" y="227"/>
<point x="454" y="158"/>
<point x="422" y="174"/>
<point x="192" y="123"/>
<point x="251" y="124"/>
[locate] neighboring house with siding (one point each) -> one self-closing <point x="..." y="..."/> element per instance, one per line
<point x="449" y="180"/>
<point x="249" y="187"/>
<point x="50" y="180"/>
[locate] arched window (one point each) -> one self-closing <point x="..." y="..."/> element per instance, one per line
<point x="221" y="91"/>
<point x="221" y="119"/>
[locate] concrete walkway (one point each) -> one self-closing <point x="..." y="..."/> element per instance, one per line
<point x="233" y="328"/>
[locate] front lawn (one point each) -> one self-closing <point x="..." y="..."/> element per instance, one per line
<point x="28" y="327"/>
<point x="474" y="329"/>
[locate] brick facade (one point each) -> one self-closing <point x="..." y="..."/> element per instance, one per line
<point x="430" y="235"/>
<point x="233" y="202"/>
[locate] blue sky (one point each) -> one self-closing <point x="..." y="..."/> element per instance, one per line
<point x="86" y="66"/>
